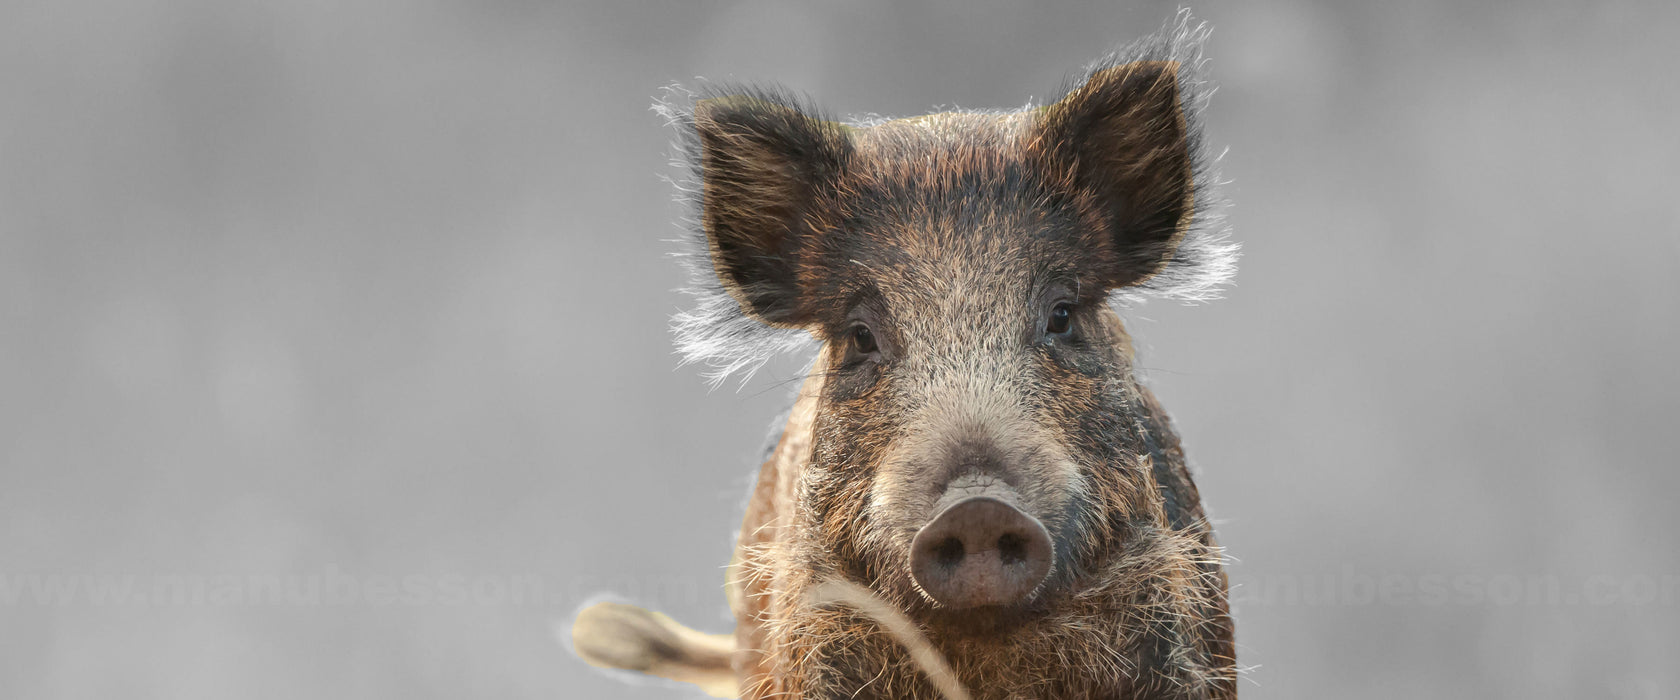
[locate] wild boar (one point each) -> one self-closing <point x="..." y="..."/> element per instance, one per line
<point x="972" y="449"/>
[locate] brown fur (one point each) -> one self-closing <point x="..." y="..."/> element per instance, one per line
<point x="949" y="240"/>
<point x="1158" y="603"/>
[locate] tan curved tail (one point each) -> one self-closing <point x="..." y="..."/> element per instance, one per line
<point x="614" y="635"/>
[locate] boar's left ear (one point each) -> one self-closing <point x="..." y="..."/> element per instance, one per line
<point x="763" y="164"/>
<point x="1123" y="142"/>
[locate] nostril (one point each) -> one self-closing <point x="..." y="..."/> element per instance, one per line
<point x="1012" y="549"/>
<point x="949" y="552"/>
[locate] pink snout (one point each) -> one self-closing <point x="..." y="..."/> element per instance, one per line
<point x="981" y="551"/>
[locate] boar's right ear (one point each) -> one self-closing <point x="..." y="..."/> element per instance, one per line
<point x="762" y="165"/>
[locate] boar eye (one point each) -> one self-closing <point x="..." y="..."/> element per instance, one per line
<point x="863" y="341"/>
<point x="1061" y="317"/>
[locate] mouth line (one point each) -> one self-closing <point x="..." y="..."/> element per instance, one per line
<point x="987" y="620"/>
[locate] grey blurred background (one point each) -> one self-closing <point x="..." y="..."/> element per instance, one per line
<point x="375" y="296"/>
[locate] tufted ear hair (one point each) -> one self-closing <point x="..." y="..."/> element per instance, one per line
<point x="1122" y="141"/>
<point x="763" y="164"/>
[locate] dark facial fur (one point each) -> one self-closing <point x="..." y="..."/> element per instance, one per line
<point x="930" y="256"/>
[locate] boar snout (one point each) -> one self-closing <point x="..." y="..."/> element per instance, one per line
<point x="981" y="551"/>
